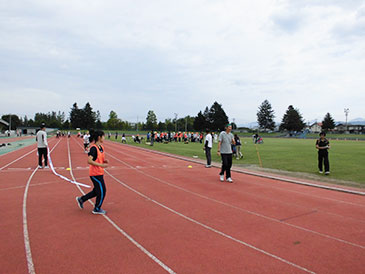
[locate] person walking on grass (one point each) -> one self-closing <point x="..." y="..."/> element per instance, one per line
<point x="238" y="153"/>
<point x="208" y="144"/>
<point x="42" y="145"/>
<point x="97" y="163"/>
<point x="323" y="145"/>
<point x="226" y="139"/>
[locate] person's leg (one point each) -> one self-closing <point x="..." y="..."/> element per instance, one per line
<point x="320" y="160"/>
<point x="101" y="191"/>
<point x="39" y="157"/>
<point x="93" y="193"/>
<point x="45" y="154"/>
<point x="224" y="164"/>
<point x="326" y="162"/>
<point x="229" y="165"/>
<point x="208" y="155"/>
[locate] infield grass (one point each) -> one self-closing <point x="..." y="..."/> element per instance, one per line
<point x="347" y="158"/>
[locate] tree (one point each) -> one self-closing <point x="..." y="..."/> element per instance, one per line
<point x="89" y="117"/>
<point x="217" y="117"/>
<point x="199" y="122"/>
<point x="328" y="122"/>
<point x="265" y="116"/>
<point x="292" y="120"/>
<point x="151" y="120"/>
<point x="15" y="121"/>
<point x="76" y="116"/>
<point x="113" y="121"/>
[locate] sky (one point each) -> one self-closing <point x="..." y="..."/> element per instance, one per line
<point x="132" y="56"/>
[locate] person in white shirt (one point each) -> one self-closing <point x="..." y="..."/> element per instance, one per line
<point x="86" y="141"/>
<point x="42" y="145"/>
<point x="208" y="144"/>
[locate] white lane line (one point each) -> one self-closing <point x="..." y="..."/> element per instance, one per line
<point x="210" y="228"/>
<point x="28" y="251"/>
<point x="241" y="209"/>
<point x="138" y="245"/>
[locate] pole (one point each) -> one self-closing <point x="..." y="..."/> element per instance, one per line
<point x="10" y="124"/>
<point x="347" y="110"/>
<point x="175" y="122"/>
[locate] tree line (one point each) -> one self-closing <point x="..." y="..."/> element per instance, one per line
<point x="291" y="121"/>
<point x="213" y="118"/>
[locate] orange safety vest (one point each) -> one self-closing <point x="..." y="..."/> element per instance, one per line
<point x="97" y="170"/>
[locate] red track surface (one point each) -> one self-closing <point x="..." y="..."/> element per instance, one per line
<point x="178" y="219"/>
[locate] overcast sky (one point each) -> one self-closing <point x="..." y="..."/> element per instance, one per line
<point x="181" y="56"/>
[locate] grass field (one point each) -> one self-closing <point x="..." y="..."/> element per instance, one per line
<point x="299" y="156"/>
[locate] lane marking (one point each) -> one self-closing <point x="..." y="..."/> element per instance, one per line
<point x="241" y="209"/>
<point x="138" y="245"/>
<point x="239" y="171"/>
<point x="287" y="180"/>
<point x="210" y="228"/>
<point x="28" y="251"/>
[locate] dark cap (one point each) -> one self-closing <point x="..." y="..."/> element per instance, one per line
<point x="322" y="133"/>
<point x="43" y="125"/>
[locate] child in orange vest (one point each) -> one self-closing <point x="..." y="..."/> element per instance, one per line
<point x="97" y="163"/>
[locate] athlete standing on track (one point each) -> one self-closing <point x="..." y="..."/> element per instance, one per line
<point x="97" y="163"/>
<point x="226" y="139"/>
<point x="86" y="141"/>
<point x="42" y="145"/>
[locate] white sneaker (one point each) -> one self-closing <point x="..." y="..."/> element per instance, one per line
<point x="40" y="167"/>
<point x="222" y="178"/>
<point x="207" y="166"/>
<point x="229" y="180"/>
<point x="327" y="173"/>
<point x="46" y="167"/>
<point x="321" y="171"/>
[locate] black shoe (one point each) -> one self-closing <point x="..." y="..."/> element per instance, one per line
<point x="80" y="202"/>
<point x="98" y="211"/>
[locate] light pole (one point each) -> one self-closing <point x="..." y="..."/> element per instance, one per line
<point x="175" y="122"/>
<point x="347" y="110"/>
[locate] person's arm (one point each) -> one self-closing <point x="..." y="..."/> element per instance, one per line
<point x="45" y="139"/>
<point x="219" y="148"/>
<point x="90" y="161"/>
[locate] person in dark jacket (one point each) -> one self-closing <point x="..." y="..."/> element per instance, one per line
<point x="323" y="145"/>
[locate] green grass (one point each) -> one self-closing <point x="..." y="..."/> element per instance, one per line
<point x="347" y="158"/>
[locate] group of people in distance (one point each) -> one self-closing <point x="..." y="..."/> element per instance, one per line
<point x="228" y="145"/>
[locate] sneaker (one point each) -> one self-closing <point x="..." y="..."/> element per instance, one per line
<point x="229" y="180"/>
<point x="327" y="173"/>
<point x="98" y="211"/>
<point x="321" y="171"/>
<point x="208" y="166"/>
<point x="80" y="202"/>
<point x="221" y="177"/>
<point x="46" y="167"/>
<point x="40" y="167"/>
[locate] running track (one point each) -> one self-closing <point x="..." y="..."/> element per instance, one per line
<point x="164" y="217"/>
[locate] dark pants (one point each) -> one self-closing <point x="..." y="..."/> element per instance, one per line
<point x="323" y="157"/>
<point x="226" y="165"/>
<point x="208" y="155"/>
<point x="42" y="151"/>
<point x="99" y="191"/>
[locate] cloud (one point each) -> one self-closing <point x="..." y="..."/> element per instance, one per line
<point x="180" y="56"/>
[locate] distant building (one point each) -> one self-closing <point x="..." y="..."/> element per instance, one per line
<point x="355" y="129"/>
<point x="315" y="128"/>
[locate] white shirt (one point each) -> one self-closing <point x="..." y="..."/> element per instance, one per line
<point x="86" y="139"/>
<point x="41" y="139"/>
<point x="209" y="139"/>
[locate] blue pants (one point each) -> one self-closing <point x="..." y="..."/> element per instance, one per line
<point x="99" y="191"/>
